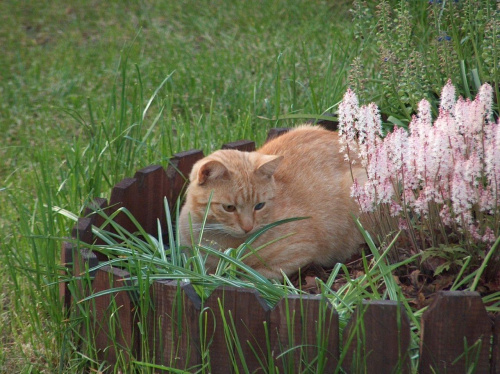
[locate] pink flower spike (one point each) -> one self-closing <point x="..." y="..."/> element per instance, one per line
<point x="448" y="96"/>
<point x="486" y="200"/>
<point x="376" y="124"/>
<point x="492" y="159"/>
<point x="473" y="230"/>
<point x="461" y="114"/>
<point x="424" y="115"/>
<point x="395" y="208"/>
<point x="403" y="224"/>
<point x="489" y="235"/>
<point x="445" y="215"/>
<point x="397" y="143"/>
<point x="369" y="128"/>
<point x="497" y="136"/>
<point x="475" y="118"/>
<point x="485" y="96"/>
<point x="348" y="112"/>
<point x="460" y="193"/>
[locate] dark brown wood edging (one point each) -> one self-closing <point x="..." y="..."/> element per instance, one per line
<point x="183" y="332"/>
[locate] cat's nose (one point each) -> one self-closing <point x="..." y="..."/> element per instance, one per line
<point x="247" y="228"/>
<point x="246" y="222"/>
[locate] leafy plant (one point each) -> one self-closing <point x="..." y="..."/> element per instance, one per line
<point x="452" y="257"/>
<point x="419" y="46"/>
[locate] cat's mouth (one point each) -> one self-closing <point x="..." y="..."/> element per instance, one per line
<point x="241" y="235"/>
<point x="234" y="232"/>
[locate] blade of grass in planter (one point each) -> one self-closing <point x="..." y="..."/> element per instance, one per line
<point x="379" y="260"/>
<point x="485" y="262"/>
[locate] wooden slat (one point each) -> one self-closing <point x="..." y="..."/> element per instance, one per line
<point x="83" y="230"/>
<point x="152" y="189"/>
<point x="248" y="312"/>
<point x="114" y="320"/>
<point x="79" y="262"/>
<point x="98" y="203"/>
<point x="455" y="320"/>
<point x="241" y="145"/>
<point x="178" y="170"/>
<point x="84" y="260"/>
<point x="299" y="325"/>
<point x="67" y="250"/>
<point x="96" y="219"/>
<point x="286" y="333"/>
<point x="275" y="132"/>
<point x="212" y="317"/>
<point x="378" y="339"/>
<point x="125" y="195"/>
<point x="173" y="325"/>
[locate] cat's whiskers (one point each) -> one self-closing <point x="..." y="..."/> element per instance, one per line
<point x="217" y="228"/>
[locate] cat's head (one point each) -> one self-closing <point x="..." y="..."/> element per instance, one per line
<point x="242" y="188"/>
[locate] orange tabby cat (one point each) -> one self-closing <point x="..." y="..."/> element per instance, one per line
<point x="299" y="174"/>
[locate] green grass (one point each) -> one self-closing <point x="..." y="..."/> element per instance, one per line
<point x="76" y="80"/>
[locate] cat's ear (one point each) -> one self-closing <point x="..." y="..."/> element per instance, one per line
<point x="211" y="170"/>
<point x="268" y="164"/>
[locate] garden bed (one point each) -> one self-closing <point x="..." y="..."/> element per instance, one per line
<point x="236" y="328"/>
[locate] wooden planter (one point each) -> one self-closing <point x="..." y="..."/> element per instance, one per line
<point x="184" y="333"/>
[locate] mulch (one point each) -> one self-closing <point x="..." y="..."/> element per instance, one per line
<point x="417" y="280"/>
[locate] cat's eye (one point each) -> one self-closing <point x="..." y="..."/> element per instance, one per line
<point x="229" y="208"/>
<point x="259" y="206"/>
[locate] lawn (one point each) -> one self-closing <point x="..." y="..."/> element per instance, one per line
<point x="93" y="91"/>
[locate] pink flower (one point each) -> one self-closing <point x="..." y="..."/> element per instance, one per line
<point x="363" y="196"/>
<point x="487" y="201"/>
<point x="475" y="117"/>
<point x="492" y="154"/>
<point x="436" y="159"/>
<point x="418" y="144"/>
<point x="369" y="126"/>
<point x="489" y="235"/>
<point x="396" y="143"/>
<point x="445" y="215"/>
<point x="474" y="231"/>
<point x="450" y="167"/>
<point x="497" y="136"/>
<point x="403" y="224"/>
<point x="461" y="114"/>
<point x="420" y="205"/>
<point x="424" y="117"/>
<point x="395" y="208"/>
<point x="460" y="192"/>
<point x="448" y="96"/>
<point x="486" y="98"/>
<point x="348" y="112"/>
<point x="380" y="171"/>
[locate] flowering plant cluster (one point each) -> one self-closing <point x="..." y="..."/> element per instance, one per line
<point x="439" y="182"/>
